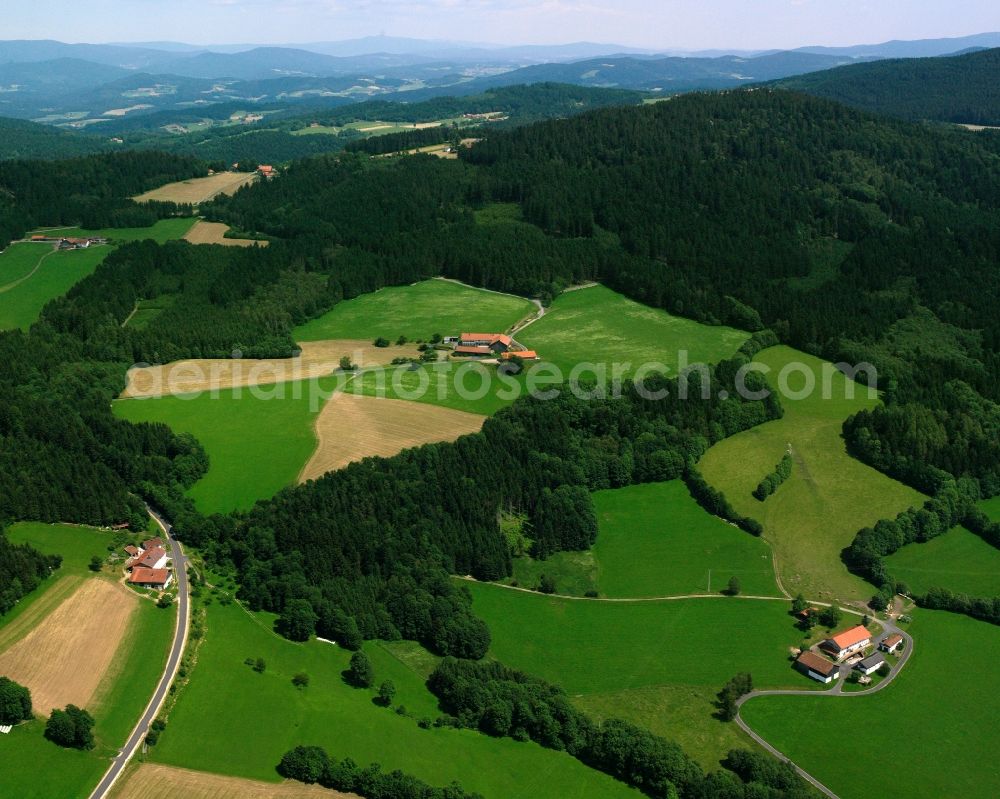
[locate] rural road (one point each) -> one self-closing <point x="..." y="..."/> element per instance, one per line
<point x="173" y="661"/>
<point x="837" y="690"/>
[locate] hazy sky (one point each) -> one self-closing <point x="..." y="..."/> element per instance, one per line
<point x="683" y="24"/>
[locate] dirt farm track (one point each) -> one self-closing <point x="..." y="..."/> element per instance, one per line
<point x="153" y="781"/>
<point x="64" y="659"/>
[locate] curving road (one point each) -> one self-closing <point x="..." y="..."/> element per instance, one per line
<point x="888" y="628"/>
<point x="169" y="672"/>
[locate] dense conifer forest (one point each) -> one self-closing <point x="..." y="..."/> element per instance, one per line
<point x="959" y="89"/>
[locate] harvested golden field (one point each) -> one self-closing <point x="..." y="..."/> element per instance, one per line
<point x="215" y="233"/>
<point x="64" y="658"/>
<point x="352" y="427"/>
<point x="317" y="359"/>
<point x="153" y="781"/>
<point x="199" y="190"/>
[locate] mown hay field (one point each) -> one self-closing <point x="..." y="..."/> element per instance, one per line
<point x="199" y="190"/>
<point x="351" y="428"/>
<point x="64" y="659"/>
<point x="215" y="233"/>
<point x="155" y="781"/>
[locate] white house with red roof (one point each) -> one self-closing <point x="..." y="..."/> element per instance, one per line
<point x="848" y="642"/>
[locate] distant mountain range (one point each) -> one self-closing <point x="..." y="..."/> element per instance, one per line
<point x="963" y="89"/>
<point x="107" y="86"/>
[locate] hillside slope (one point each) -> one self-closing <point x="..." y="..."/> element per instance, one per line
<point x="962" y="88"/>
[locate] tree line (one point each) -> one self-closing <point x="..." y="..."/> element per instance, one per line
<point x="773" y="481"/>
<point x="503" y="702"/>
<point x="22" y="569"/>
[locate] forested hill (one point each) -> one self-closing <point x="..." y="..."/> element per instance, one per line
<point x="92" y="191"/>
<point x="22" y="139"/>
<point x="962" y="88"/>
<point x="856" y="237"/>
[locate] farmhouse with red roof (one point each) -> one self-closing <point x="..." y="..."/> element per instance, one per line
<point x="848" y="642"/>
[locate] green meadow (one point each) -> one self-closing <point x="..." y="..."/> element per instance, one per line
<point x="418" y="312"/>
<point x="829" y="497"/>
<point x="231" y="720"/>
<point x="655" y="540"/>
<point x="958" y="560"/>
<point x="598" y="325"/>
<point x="657" y="663"/>
<point x="991" y="507"/>
<point x="21" y="300"/>
<point x="120" y="699"/>
<point x="257" y="441"/>
<point x="923" y="737"/>
<point x="23" y="297"/>
<point x="160" y="231"/>
<point x="469" y="386"/>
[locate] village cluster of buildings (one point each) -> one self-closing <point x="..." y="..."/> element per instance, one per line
<point x="69" y="242"/>
<point x="147" y="565"/>
<point x="848" y="650"/>
<point x="490" y="345"/>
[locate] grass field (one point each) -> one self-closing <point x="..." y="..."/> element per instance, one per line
<point x="991" y="507"/>
<point x="118" y="698"/>
<point x="598" y="325"/>
<point x="350" y="428"/>
<point x="162" y="231"/>
<point x="657" y="663"/>
<point x="470" y="387"/>
<point x="828" y="498"/>
<point x="275" y="716"/>
<point x="958" y="560"/>
<point x="417" y="312"/>
<point x="655" y="540"/>
<point x="199" y="190"/>
<point x="23" y="297"/>
<point x="153" y="781"/>
<point x="925" y="735"/>
<point x="256" y="446"/>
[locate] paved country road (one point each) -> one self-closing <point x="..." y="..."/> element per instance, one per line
<point x="173" y="661"/>
<point x="836" y="691"/>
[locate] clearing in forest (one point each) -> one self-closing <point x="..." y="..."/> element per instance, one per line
<point x="215" y="233"/>
<point x="154" y="781"/>
<point x="598" y="325"/>
<point x="654" y="540"/>
<point x="829" y="497"/>
<point x="351" y="428"/>
<point x="65" y="657"/>
<point x="959" y="560"/>
<point x="32" y="285"/>
<point x="199" y="190"/>
<point x="418" y="312"/>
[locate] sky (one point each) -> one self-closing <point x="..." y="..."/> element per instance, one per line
<point x="653" y="24"/>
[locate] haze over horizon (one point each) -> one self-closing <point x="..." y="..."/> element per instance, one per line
<point x="663" y="25"/>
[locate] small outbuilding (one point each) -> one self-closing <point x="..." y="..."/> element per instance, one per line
<point x="871" y="664"/>
<point x="892" y="643"/>
<point x="819" y="668"/>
